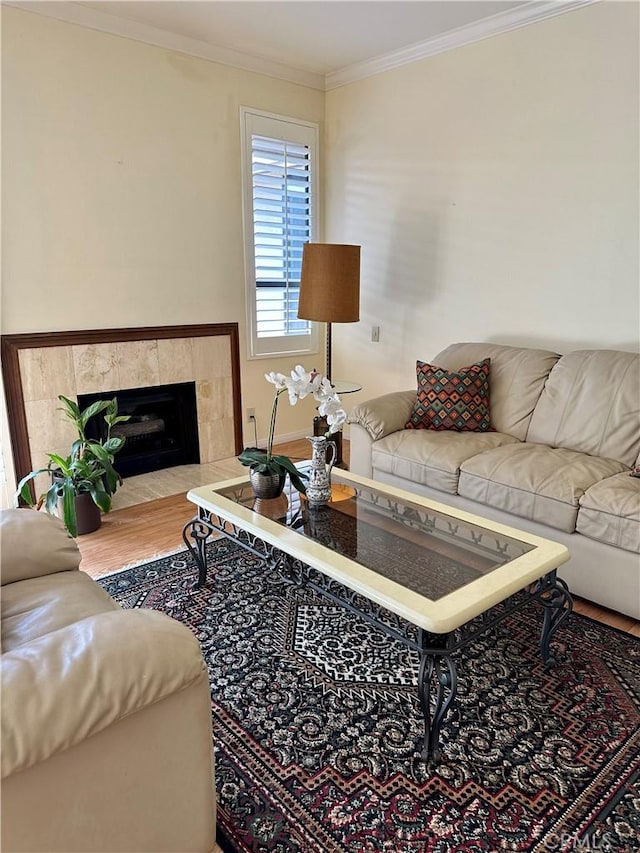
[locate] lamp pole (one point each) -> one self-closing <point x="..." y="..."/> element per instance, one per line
<point x="328" y="352"/>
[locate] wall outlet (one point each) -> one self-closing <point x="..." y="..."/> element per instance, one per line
<point x="251" y="415"/>
<point x="375" y="334"/>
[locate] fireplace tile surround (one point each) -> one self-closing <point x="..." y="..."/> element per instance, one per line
<point x="38" y="367"/>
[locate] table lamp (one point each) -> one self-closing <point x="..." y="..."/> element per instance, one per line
<point x="330" y="287"/>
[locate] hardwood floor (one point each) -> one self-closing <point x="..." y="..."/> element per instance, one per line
<point x="140" y="532"/>
<point x="143" y="530"/>
<point x="134" y="534"/>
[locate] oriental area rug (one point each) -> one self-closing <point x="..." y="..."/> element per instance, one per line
<point x="316" y="724"/>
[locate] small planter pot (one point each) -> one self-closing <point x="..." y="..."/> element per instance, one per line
<point x="88" y="515"/>
<point x="267" y="486"/>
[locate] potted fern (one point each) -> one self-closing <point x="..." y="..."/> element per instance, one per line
<point x="83" y="482"/>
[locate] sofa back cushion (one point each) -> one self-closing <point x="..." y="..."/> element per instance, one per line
<point x="517" y="378"/>
<point x="591" y="403"/>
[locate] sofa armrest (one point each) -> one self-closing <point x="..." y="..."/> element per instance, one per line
<point x="384" y="415"/>
<point x="34" y="544"/>
<point x="72" y="683"/>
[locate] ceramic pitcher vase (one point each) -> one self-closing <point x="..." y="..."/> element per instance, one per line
<point x="322" y="460"/>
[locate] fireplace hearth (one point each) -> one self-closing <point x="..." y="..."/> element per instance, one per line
<point x="162" y="430"/>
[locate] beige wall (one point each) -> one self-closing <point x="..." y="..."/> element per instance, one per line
<point x="121" y="187"/>
<point x="494" y="190"/>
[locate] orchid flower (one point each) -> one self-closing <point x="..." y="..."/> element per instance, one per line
<point x="299" y="385"/>
<point x="331" y="409"/>
<point x="277" y="379"/>
<point x="324" y="389"/>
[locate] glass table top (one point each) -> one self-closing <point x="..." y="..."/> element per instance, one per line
<point x="432" y="564"/>
<point x="424" y="550"/>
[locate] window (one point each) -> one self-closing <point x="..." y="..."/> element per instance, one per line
<point x="280" y="187"/>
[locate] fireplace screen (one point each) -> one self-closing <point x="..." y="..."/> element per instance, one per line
<point x="162" y="430"/>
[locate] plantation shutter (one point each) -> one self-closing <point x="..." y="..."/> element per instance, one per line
<point x="279" y="176"/>
<point x="281" y="226"/>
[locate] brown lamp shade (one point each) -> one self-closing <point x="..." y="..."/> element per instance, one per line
<point x="330" y="283"/>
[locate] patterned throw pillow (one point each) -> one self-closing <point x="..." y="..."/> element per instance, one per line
<point x="455" y="400"/>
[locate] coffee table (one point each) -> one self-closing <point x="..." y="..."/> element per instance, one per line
<point x="429" y="575"/>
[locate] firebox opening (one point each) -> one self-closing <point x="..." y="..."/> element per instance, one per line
<point x="162" y="430"/>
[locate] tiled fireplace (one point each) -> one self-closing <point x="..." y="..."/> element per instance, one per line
<point x="38" y="367"/>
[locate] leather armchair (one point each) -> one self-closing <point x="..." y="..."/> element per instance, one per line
<point x="106" y="714"/>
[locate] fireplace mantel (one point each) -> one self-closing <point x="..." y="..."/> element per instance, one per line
<point x="37" y="367"/>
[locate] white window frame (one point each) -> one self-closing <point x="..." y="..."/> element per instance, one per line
<point x="255" y="122"/>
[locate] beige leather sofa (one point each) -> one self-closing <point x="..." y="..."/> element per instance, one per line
<point x="567" y="434"/>
<point x="106" y="714"/>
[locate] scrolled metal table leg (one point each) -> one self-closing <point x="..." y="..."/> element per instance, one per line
<point x="195" y="535"/>
<point x="558" y="604"/>
<point x="436" y="667"/>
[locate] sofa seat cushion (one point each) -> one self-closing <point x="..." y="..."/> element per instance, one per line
<point x="431" y="458"/>
<point x="610" y="512"/>
<point x="533" y="481"/>
<point x="38" y="606"/>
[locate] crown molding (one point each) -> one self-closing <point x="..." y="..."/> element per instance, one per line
<point x="501" y="23"/>
<point x="75" y="13"/>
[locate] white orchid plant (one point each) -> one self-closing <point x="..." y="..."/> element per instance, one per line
<point x="298" y="386"/>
